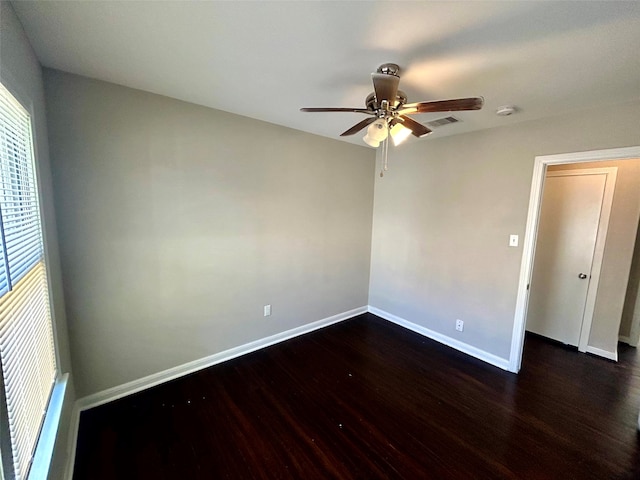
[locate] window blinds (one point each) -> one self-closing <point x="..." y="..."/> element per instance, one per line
<point x="27" y="350"/>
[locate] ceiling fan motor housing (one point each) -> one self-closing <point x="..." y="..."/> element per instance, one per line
<point x="372" y="104"/>
<point x="389" y="69"/>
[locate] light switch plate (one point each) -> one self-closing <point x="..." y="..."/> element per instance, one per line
<point x="513" y="240"/>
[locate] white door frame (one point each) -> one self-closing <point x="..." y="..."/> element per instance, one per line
<point x="528" y="246"/>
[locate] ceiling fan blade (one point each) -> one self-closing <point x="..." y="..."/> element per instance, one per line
<point x="358" y="126"/>
<point x="458" y="104"/>
<point x="385" y="86"/>
<point x="338" y="109"/>
<point x="417" y="129"/>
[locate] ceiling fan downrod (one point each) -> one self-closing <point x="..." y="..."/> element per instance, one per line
<point x="389" y="69"/>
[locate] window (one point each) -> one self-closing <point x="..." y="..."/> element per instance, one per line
<point x="27" y="351"/>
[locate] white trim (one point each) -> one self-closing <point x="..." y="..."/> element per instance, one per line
<point x="603" y="353"/>
<point x="624" y="153"/>
<point x="528" y="250"/>
<point x="152" y="380"/>
<point x="74" y="426"/>
<point x="45" y="445"/>
<point x="490" y="358"/>
<point x="46" y="442"/>
<point x="27" y="103"/>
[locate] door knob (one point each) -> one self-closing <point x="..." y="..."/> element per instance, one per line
<point x="582" y="276"/>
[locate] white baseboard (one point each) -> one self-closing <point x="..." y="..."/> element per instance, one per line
<point x="499" y="362"/>
<point x="152" y="380"/>
<point x="149" y="381"/>
<point x="73" y="441"/>
<point x="603" y="353"/>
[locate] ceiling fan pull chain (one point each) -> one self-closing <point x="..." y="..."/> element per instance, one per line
<point x="385" y="157"/>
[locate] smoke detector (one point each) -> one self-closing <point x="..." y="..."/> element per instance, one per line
<point x="505" y="110"/>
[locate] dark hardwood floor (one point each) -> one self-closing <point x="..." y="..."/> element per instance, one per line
<point x="366" y="399"/>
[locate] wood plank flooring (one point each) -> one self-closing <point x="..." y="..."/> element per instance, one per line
<point x="366" y="399"/>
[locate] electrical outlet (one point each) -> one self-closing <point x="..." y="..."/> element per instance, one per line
<point x="267" y="310"/>
<point x="459" y="325"/>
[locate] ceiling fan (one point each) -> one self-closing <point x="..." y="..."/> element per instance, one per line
<point x="389" y="111"/>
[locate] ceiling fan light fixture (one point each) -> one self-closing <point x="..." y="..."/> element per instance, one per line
<point x="390" y="114"/>
<point x="399" y="134"/>
<point x="378" y="130"/>
<point x="371" y="141"/>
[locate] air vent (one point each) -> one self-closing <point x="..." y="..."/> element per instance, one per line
<point x="441" y="122"/>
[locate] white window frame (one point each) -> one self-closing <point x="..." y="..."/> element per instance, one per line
<point x="45" y="445"/>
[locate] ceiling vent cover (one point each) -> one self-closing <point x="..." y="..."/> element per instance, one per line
<point x="441" y="122"/>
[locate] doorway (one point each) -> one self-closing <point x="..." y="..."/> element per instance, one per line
<point x="572" y="230"/>
<point x="535" y="201"/>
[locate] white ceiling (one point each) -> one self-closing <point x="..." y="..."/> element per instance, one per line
<point x="265" y="60"/>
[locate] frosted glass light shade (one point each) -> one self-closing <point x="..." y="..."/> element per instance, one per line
<point x="378" y="130"/>
<point x="399" y="134"/>
<point x="372" y="142"/>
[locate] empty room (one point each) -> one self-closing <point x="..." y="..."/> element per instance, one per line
<point x="319" y="239"/>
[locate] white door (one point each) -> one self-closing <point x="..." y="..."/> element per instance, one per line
<point x="571" y="210"/>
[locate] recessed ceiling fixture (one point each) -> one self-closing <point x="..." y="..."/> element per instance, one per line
<point x="390" y="111"/>
<point x="506" y="110"/>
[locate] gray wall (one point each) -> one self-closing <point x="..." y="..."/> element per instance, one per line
<point x="631" y="309"/>
<point x="445" y="209"/>
<point x="20" y="72"/>
<point x="178" y="223"/>
<point x="618" y="252"/>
